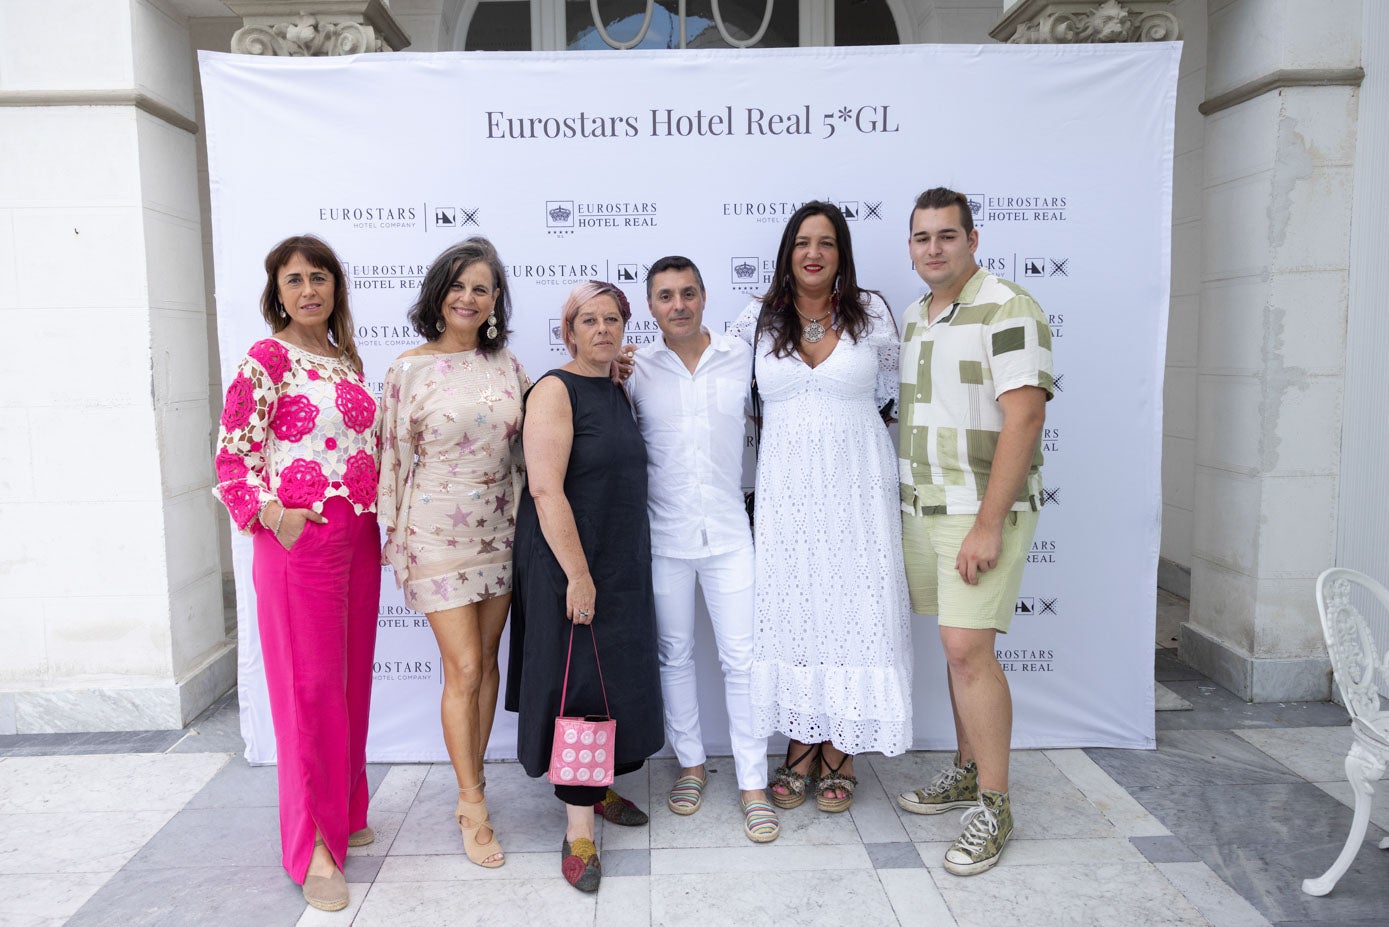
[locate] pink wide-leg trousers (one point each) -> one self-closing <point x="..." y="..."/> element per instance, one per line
<point x="317" y="607"/>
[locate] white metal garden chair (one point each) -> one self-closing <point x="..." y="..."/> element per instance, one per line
<point x="1354" y="660"/>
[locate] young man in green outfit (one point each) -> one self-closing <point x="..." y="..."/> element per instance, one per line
<point x="976" y="377"/>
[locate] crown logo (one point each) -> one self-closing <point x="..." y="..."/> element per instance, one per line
<point x="744" y="270"/>
<point x="976" y="205"/>
<point x="560" y="214"/>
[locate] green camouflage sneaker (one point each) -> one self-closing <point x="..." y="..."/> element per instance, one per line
<point x="988" y="825"/>
<point x="954" y="787"/>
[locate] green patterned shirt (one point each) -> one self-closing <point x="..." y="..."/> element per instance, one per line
<point x="993" y="339"/>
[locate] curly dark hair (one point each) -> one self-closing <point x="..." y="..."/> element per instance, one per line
<point x="427" y="311"/>
<point x="779" y="316"/>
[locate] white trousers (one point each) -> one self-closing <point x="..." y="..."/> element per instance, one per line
<point x="726" y="581"/>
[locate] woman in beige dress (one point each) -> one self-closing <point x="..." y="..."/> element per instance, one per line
<point x="450" y="435"/>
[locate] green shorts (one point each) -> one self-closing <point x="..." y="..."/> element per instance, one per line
<point x="930" y="544"/>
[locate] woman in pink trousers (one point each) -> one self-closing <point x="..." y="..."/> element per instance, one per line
<point x="296" y="466"/>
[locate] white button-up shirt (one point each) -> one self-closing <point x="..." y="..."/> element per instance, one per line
<point x="694" y="425"/>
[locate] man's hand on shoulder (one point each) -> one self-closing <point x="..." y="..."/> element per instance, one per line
<point x="627" y="361"/>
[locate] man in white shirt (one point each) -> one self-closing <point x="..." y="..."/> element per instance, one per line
<point x="690" y="391"/>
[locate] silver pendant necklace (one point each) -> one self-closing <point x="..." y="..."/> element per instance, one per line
<point x="813" y="331"/>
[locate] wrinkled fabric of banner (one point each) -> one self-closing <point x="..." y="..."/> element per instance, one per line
<point x="593" y="164"/>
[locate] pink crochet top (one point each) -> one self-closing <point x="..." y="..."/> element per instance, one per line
<point x="298" y="428"/>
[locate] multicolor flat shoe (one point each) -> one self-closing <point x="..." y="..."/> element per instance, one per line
<point x="580" y="865"/>
<point x="760" y="822"/>
<point x="686" y="795"/>
<point x="617" y="810"/>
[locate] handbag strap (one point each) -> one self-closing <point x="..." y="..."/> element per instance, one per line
<point x="569" y="658"/>
<point x="756" y="418"/>
<point x="756" y="393"/>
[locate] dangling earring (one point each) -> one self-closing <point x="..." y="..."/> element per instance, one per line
<point x="280" y="307"/>
<point x="834" y="296"/>
<point x="492" y="326"/>
<point x="439" y="326"/>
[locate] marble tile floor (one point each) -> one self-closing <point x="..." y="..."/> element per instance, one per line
<point x="1218" y="826"/>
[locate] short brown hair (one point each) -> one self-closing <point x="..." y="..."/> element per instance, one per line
<point x="940" y="198"/>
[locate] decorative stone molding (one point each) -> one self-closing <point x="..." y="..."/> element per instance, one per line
<point x="136" y="98"/>
<point x="1279" y="80"/>
<point x="1046" y="22"/>
<point x="315" y="28"/>
<point x="1256" y="679"/>
<point x="306" y="38"/>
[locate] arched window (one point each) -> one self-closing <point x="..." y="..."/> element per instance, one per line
<point x="549" y="25"/>
<point x="735" y="24"/>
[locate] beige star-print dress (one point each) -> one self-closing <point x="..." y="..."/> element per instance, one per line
<point x="450" y="470"/>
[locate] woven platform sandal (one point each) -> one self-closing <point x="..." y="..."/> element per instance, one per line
<point x="476" y="813"/>
<point x="835" y="781"/>
<point x="794" y="785"/>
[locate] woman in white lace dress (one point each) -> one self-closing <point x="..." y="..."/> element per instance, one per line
<point x="832" y="654"/>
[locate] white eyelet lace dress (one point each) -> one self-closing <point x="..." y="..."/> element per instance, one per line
<point x="832" y="653"/>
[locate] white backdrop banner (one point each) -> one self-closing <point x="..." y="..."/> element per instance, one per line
<point x="594" y="164"/>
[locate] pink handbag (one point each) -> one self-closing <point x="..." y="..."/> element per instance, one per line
<point x="582" y="753"/>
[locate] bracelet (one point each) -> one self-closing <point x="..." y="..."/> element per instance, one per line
<point x="260" y="514"/>
<point x="279" y="520"/>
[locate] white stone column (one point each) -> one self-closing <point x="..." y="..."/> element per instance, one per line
<point x="1033" y="22"/>
<point x="1281" y="112"/>
<point x="110" y="584"/>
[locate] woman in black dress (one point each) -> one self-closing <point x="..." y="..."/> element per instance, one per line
<point x="583" y="555"/>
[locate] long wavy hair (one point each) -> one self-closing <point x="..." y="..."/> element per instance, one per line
<point x="581" y="294"/>
<point x="429" y="306"/>
<point x="849" y="304"/>
<point x="316" y="251"/>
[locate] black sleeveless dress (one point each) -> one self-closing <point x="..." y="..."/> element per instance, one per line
<point x="606" y="488"/>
